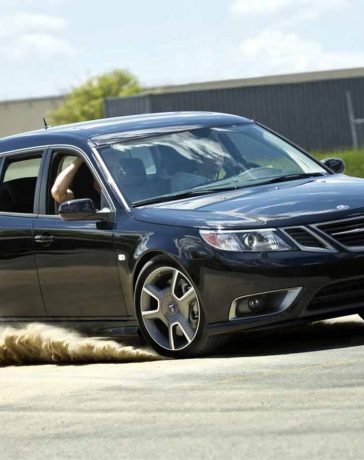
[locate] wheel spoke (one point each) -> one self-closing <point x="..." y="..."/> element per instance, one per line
<point x="153" y="291"/>
<point x="174" y="283"/>
<point x="186" y="328"/>
<point x="151" y="314"/>
<point x="185" y="301"/>
<point x="188" y="296"/>
<point x="170" y="335"/>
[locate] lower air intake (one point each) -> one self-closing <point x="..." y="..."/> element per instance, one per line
<point x="343" y="294"/>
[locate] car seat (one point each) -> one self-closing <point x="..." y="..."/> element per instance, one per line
<point x="18" y="195"/>
<point x="134" y="181"/>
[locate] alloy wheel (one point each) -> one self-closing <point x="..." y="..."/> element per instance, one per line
<point x="170" y="308"/>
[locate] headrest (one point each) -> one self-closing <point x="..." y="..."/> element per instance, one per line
<point x="173" y="162"/>
<point x="132" y="171"/>
<point x="19" y="194"/>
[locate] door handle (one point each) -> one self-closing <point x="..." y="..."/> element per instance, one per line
<point x="44" y="239"/>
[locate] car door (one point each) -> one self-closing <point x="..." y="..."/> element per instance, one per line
<point x="77" y="263"/>
<point x="20" y="295"/>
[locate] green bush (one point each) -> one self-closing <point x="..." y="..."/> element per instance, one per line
<point x="86" y="102"/>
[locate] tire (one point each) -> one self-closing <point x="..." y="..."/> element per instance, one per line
<point x="169" y="311"/>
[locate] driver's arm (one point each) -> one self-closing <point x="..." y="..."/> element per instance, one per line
<point x="60" y="190"/>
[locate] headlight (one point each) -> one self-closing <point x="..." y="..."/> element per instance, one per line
<point x="246" y="241"/>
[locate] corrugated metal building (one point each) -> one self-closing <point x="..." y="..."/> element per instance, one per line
<point x="310" y="108"/>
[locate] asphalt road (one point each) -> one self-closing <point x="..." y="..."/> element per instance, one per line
<point x="286" y="395"/>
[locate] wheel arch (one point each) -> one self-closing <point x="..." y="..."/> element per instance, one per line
<point x="148" y="257"/>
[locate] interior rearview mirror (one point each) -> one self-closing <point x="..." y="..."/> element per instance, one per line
<point x="335" y="164"/>
<point x="82" y="209"/>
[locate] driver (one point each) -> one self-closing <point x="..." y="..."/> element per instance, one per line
<point x="207" y="171"/>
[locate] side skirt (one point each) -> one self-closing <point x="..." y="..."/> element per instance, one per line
<point x="90" y="327"/>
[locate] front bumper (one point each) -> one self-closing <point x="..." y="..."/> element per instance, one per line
<point x="325" y="279"/>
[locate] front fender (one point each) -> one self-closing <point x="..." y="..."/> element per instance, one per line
<point x="139" y="243"/>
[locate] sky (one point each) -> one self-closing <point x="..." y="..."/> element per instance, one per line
<point x="47" y="47"/>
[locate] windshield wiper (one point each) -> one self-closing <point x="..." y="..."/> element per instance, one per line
<point x="209" y="190"/>
<point x="287" y="177"/>
<point x="182" y="195"/>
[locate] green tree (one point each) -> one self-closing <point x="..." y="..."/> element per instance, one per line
<point x="86" y="102"/>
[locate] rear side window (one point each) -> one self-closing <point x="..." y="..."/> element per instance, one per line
<point x="17" y="191"/>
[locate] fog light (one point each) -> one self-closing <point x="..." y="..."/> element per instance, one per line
<point x="264" y="303"/>
<point x="250" y="305"/>
<point x="255" y="304"/>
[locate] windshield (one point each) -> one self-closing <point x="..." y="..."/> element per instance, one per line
<point x="203" y="160"/>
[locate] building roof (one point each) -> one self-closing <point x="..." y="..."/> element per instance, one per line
<point x="32" y="99"/>
<point x="260" y="81"/>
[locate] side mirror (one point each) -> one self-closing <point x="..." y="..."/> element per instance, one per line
<point x="335" y="164"/>
<point x="81" y="209"/>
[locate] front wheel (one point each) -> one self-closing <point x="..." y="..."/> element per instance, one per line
<point x="170" y="313"/>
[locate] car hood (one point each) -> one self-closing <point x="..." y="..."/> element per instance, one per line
<point x="289" y="203"/>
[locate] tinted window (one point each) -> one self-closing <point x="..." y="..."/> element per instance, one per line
<point x="146" y="156"/>
<point x="22" y="168"/>
<point x="261" y="152"/>
<point x="140" y="152"/>
<point x="17" y="191"/>
<point x="233" y="156"/>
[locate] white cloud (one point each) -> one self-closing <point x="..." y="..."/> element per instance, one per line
<point x="268" y="53"/>
<point x="31" y="21"/>
<point x="33" y="36"/>
<point x="293" y="7"/>
<point x="275" y="51"/>
<point x="20" y="23"/>
<point x="33" y="45"/>
<point x="247" y="8"/>
<point x="13" y="3"/>
<point x="22" y="3"/>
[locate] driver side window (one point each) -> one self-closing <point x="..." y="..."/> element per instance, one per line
<point x="74" y="180"/>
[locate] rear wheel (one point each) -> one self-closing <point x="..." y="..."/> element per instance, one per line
<point x="170" y="313"/>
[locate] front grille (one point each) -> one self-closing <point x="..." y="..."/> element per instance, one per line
<point x="342" y="294"/>
<point x="349" y="233"/>
<point x="304" y="238"/>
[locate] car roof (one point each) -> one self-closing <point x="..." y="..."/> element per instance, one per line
<point x="107" y="129"/>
